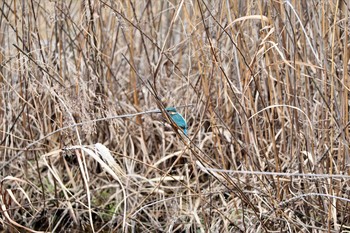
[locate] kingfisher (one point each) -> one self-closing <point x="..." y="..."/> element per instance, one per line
<point x="177" y="118"/>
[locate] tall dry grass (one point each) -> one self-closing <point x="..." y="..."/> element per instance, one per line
<point x="263" y="85"/>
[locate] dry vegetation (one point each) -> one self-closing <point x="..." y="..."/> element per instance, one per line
<point x="263" y="85"/>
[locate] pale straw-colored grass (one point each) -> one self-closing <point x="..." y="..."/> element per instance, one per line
<point x="86" y="145"/>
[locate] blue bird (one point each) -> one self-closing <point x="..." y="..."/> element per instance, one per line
<point x="177" y="118"/>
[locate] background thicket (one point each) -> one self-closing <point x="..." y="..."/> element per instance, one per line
<point x="263" y="86"/>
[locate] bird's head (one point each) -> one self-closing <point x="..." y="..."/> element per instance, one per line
<point x="170" y="109"/>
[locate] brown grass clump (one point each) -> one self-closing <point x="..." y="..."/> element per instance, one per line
<point x="86" y="145"/>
